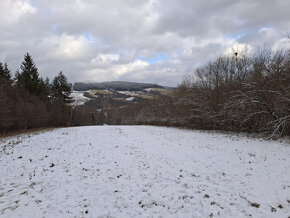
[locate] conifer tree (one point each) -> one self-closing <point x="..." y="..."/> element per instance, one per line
<point x="45" y="89"/>
<point x="28" y="77"/>
<point x="61" y="89"/>
<point x="5" y="72"/>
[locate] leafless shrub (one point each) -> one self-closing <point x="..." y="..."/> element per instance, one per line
<point x="236" y="93"/>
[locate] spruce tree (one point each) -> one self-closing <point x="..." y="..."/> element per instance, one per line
<point x="28" y="77"/>
<point x="5" y="72"/>
<point x="45" y="89"/>
<point x="61" y="89"/>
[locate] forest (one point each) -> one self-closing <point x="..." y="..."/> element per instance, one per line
<point x="28" y="101"/>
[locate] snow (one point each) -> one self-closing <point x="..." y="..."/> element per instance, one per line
<point x="150" y="89"/>
<point x="128" y="93"/>
<point x="142" y="171"/>
<point x="78" y="98"/>
<point x="130" y="99"/>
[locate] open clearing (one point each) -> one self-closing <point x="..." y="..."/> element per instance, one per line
<point x="142" y="171"/>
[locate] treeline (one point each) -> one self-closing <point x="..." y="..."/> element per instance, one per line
<point x="28" y="101"/>
<point x="234" y="93"/>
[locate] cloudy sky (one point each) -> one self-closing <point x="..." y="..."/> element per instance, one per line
<point x="156" y="41"/>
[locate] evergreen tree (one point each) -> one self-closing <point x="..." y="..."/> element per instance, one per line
<point x="45" y="89"/>
<point x="28" y="78"/>
<point x="5" y="72"/>
<point x="61" y="89"/>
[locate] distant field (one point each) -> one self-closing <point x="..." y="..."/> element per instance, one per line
<point x="100" y="92"/>
<point x="81" y="97"/>
<point x="137" y="94"/>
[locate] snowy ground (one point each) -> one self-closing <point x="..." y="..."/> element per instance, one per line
<point x="78" y="98"/>
<point x="119" y="171"/>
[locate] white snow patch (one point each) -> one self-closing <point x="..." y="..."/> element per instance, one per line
<point x="130" y="99"/>
<point x="150" y="89"/>
<point x="142" y="171"/>
<point x="78" y="98"/>
<point x="128" y="93"/>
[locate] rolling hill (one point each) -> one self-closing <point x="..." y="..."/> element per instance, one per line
<point x="114" y="86"/>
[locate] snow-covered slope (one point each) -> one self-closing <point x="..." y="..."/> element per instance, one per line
<point x="138" y="171"/>
<point x="78" y="98"/>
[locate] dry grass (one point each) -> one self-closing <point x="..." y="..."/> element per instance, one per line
<point x="100" y="92"/>
<point x="138" y="94"/>
<point x="166" y="92"/>
<point x="26" y="131"/>
<point x="119" y="99"/>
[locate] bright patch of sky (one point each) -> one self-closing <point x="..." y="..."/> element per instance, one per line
<point x="237" y="35"/>
<point x="88" y="36"/>
<point x="157" y="58"/>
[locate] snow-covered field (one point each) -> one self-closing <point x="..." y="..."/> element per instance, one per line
<point x="78" y="98"/>
<point x="142" y="171"/>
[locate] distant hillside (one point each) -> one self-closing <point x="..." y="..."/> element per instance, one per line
<point x="114" y="85"/>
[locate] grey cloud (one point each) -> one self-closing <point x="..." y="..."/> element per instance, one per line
<point x="84" y="37"/>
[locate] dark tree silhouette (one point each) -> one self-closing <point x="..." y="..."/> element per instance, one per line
<point x="61" y="89"/>
<point x="5" y="72"/>
<point x="28" y="77"/>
